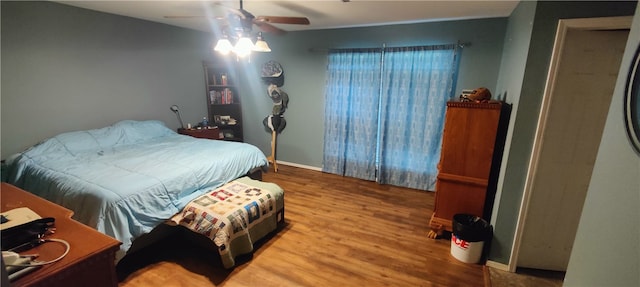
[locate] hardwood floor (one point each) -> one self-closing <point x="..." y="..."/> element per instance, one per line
<point x="339" y="232"/>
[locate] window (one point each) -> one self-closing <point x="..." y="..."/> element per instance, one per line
<point x="384" y="113"/>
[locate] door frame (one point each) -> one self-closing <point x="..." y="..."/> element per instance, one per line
<point x="564" y="25"/>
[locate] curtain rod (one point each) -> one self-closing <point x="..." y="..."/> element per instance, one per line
<point x="324" y="50"/>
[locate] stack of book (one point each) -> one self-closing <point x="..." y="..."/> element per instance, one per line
<point x="224" y="96"/>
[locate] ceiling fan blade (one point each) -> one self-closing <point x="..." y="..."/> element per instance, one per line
<point x="182" y="17"/>
<point x="284" y="20"/>
<point x="191" y="17"/>
<point x="268" y="27"/>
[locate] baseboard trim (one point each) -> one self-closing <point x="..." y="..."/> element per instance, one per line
<point x="497" y="265"/>
<point x="299" y="165"/>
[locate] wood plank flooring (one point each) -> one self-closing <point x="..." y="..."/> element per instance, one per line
<point x="339" y="231"/>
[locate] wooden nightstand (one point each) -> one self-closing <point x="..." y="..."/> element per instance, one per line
<point x="91" y="258"/>
<point x="212" y="133"/>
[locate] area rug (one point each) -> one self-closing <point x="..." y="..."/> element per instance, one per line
<point x="522" y="278"/>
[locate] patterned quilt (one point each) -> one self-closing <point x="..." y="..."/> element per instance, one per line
<point x="234" y="215"/>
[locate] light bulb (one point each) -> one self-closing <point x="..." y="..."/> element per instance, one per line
<point x="223" y="46"/>
<point x="243" y="47"/>
<point x="261" y="45"/>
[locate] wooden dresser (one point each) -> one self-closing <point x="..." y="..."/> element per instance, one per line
<point x="472" y="145"/>
<point x="91" y="258"/>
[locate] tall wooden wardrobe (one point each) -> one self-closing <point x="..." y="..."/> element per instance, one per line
<point x="472" y="145"/>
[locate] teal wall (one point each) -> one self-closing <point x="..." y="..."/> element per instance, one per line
<point x="510" y="80"/>
<point x="305" y="74"/>
<point x="606" y="251"/>
<point x="66" y="68"/>
<point x="547" y="14"/>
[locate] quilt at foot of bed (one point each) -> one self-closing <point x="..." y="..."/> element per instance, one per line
<point x="234" y="216"/>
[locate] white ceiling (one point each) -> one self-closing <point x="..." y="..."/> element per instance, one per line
<point x="323" y="14"/>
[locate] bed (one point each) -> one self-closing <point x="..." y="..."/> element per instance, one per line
<point x="128" y="178"/>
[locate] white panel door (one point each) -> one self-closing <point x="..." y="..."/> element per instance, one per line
<point x="580" y="100"/>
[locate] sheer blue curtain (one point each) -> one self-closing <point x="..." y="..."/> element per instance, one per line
<point x="384" y="113"/>
<point x="417" y="83"/>
<point x="351" y="113"/>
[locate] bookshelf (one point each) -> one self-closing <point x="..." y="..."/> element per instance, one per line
<point x="223" y="100"/>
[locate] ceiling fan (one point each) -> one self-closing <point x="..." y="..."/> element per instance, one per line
<point x="242" y="20"/>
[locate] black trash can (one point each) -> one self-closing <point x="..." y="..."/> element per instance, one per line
<point x="468" y="237"/>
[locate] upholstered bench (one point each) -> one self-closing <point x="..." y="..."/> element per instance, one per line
<point x="235" y="216"/>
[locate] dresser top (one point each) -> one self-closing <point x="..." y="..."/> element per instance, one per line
<point x="84" y="241"/>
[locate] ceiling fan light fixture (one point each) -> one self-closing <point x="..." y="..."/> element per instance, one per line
<point x="223" y="46"/>
<point x="243" y="47"/>
<point x="239" y="27"/>
<point x="261" y="45"/>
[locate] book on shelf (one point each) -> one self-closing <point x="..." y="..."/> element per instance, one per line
<point x="219" y="79"/>
<point x="222" y="97"/>
<point x="228" y="96"/>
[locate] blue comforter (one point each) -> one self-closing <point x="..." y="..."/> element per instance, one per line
<point x="127" y="178"/>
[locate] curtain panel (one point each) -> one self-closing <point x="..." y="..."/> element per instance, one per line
<point x="384" y="113"/>
<point x="417" y="83"/>
<point x="351" y="113"/>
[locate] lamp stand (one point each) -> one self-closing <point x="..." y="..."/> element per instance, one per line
<point x="180" y="119"/>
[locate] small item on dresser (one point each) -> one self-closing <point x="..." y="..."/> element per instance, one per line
<point x="17" y="216"/>
<point x="479" y="95"/>
<point x="16" y="265"/>
<point x="26" y="235"/>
